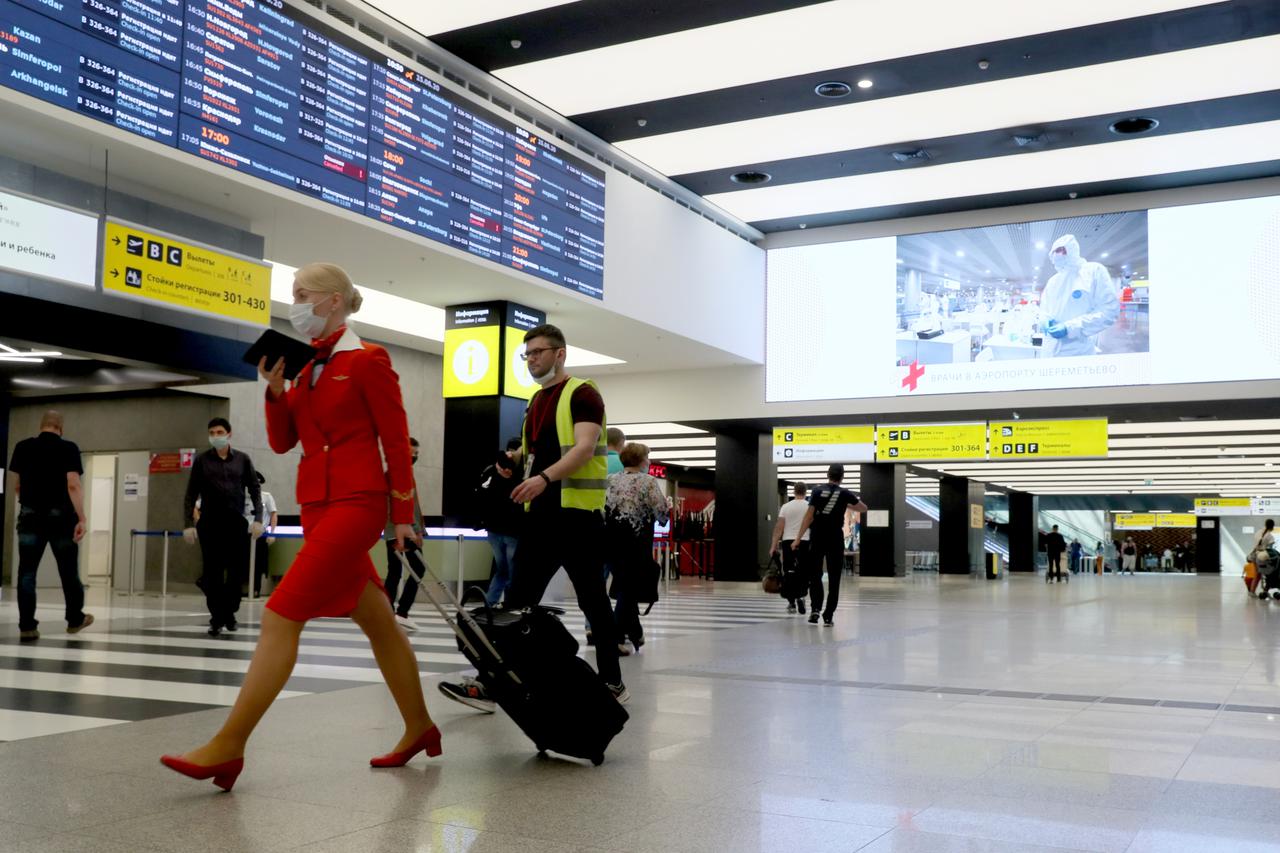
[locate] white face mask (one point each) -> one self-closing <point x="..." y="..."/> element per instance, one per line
<point x="545" y="379"/>
<point x="305" y="320"/>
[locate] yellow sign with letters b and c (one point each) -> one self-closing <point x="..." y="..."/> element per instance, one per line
<point x="930" y="442"/>
<point x="139" y="263"/>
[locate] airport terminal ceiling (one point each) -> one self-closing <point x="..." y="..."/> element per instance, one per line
<point x="714" y="126"/>
<point x="790" y="114"/>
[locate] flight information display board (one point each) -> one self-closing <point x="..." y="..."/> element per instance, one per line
<point x="264" y="89"/>
<point x="54" y="63"/>
<point x="151" y="29"/>
<point x="480" y="183"/>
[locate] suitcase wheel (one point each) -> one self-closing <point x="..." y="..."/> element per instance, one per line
<point x="597" y="760"/>
<point x="542" y="752"/>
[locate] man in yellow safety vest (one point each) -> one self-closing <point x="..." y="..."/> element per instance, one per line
<point x="564" y="458"/>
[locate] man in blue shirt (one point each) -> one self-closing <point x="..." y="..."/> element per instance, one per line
<point x="616" y="439"/>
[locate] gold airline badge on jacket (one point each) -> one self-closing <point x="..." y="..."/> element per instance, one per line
<point x="403" y="496"/>
<point x="341" y="378"/>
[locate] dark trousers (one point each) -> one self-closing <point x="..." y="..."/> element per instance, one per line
<point x="54" y="528"/>
<point x="224" y="547"/>
<point x="1055" y="564"/>
<point x="627" y="614"/>
<point x="794" y="561"/>
<point x="574" y="539"/>
<point x="260" y="559"/>
<point x="414" y="556"/>
<point x="832" y="553"/>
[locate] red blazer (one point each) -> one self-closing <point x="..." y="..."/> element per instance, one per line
<point x="355" y="403"/>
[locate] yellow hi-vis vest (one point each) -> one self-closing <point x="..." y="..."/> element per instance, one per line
<point x="585" y="487"/>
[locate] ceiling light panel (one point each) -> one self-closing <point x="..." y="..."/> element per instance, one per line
<point x="797" y="41"/>
<point x="1190" y="427"/>
<point x="1205" y="73"/>
<point x="409" y="317"/>
<point x="1168" y="441"/>
<point x="439" y="17"/>
<point x="1258" y="450"/>
<point x="1204" y="149"/>
<point x="669" y="444"/>
<point x="639" y="430"/>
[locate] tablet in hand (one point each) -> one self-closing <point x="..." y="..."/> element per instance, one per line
<point x="274" y="346"/>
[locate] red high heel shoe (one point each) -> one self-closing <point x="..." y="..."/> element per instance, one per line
<point x="428" y="741"/>
<point x="224" y="775"/>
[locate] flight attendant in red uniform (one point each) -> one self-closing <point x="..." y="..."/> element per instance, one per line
<point x="341" y="407"/>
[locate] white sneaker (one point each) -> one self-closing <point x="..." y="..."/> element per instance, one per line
<point x="406" y="623"/>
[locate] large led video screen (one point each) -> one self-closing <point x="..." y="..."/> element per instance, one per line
<point x="274" y="93"/>
<point x="1179" y="294"/>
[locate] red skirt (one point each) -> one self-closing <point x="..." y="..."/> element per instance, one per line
<point x="333" y="568"/>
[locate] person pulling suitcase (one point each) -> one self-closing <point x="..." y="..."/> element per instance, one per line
<point x="563" y="454"/>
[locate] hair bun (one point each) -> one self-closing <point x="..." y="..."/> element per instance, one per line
<point x="356" y="300"/>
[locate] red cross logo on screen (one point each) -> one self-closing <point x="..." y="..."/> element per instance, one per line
<point x="913" y="376"/>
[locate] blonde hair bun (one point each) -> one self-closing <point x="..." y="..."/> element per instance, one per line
<point x="330" y="278"/>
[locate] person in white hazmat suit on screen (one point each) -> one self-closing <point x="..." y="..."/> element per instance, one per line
<point x="1078" y="303"/>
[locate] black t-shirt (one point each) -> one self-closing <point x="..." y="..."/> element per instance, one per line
<point x="586" y="406"/>
<point x="42" y="465"/>
<point x="829" y="503"/>
<point x="1054" y="543"/>
<point x="498" y="513"/>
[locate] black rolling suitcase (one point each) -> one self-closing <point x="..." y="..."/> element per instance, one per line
<point x="528" y="662"/>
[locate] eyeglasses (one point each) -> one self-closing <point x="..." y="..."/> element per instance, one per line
<point x="529" y="353"/>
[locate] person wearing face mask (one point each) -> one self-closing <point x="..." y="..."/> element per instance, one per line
<point x="564" y="464"/>
<point x="1078" y="303"/>
<point x="221" y="478"/>
<point x="345" y="409"/>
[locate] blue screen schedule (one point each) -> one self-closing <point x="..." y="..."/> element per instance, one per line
<point x="46" y="59"/>
<point x="258" y="87"/>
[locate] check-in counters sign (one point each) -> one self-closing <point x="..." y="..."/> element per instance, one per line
<point x="156" y="267"/>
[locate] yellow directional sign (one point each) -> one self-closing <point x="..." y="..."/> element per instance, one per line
<point x="1134" y="521"/>
<point x="1223" y="506"/>
<point x="1068" y="439"/>
<point x="824" y="444"/>
<point x="1175" y="519"/>
<point x="925" y="442"/>
<point x="152" y="266"/>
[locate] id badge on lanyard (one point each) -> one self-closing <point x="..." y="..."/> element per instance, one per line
<point x="528" y="464"/>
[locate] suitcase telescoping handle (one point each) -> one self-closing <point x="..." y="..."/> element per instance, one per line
<point x="437" y="589"/>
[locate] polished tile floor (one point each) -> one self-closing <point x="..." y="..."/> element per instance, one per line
<point x="939" y="714"/>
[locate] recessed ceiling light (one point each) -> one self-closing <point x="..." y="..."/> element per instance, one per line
<point x="864" y="83"/>
<point x="1039" y="244"/>
<point x="959" y="253"/>
<point x="751" y="178"/>
<point x="832" y="89"/>
<point x="1136" y="124"/>
<point x="804" y="225"/>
